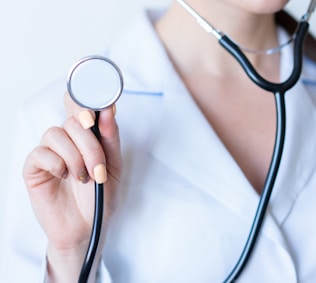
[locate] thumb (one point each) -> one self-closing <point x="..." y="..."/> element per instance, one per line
<point x="110" y="139"/>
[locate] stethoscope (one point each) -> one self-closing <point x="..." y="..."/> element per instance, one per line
<point x="96" y="82"/>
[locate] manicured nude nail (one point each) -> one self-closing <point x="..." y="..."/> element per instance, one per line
<point x="84" y="176"/>
<point x="86" y="119"/>
<point x="100" y="174"/>
<point x="65" y="174"/>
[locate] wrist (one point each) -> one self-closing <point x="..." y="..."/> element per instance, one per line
<point x="64" y="265"/>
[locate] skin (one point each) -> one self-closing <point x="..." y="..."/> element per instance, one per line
<point x="61" y="190"/>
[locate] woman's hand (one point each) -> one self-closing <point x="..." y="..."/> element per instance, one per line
<point x="60" y="174"/>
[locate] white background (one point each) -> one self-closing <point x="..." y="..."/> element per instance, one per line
<point x="40" y="40"/>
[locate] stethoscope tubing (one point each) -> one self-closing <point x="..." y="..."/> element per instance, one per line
<point x="279" y="90"/>
<point x="97" y="219"/>
<point x="266" y="193"/>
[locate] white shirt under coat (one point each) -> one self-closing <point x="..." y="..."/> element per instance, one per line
<point x="186" y="207"/>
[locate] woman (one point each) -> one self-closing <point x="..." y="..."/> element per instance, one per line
<point x="184" y="160"/>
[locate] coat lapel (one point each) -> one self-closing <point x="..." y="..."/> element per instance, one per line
<point x="185" y="142"/>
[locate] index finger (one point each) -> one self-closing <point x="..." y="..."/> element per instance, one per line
<point x="85" y="116"/>
<point x="73" y="109"/>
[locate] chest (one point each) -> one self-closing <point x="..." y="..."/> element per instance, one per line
<point x="243" y="117"/>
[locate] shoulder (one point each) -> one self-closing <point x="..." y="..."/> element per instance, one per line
<point x="146" y="69"/>
<point x="140" y="54"/>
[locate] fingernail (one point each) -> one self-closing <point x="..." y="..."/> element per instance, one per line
<point x="65" y="174"/>
<point x="114" y="109"/>
<point x="86" y="119"/>
<point x="84" y="176"/>
<point x="100" y="174"/>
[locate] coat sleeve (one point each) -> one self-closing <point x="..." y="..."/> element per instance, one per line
<point x="24" y="243"/>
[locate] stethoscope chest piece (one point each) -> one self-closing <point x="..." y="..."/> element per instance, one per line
<point x="95" y="82"/>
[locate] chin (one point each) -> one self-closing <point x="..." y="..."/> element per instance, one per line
<point x="262" y="6"/>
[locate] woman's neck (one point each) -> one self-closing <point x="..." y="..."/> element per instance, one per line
<point x="190" y="46"/>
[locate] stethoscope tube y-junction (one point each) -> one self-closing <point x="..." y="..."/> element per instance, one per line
<point x="234" y="50"/>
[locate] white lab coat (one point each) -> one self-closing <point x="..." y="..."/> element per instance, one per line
<point x="185" y="206"/>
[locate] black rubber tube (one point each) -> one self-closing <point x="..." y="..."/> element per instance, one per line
<point x="279" y="90"/>
<point x="266" y="193"/>
<point x="97" y="221"/>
